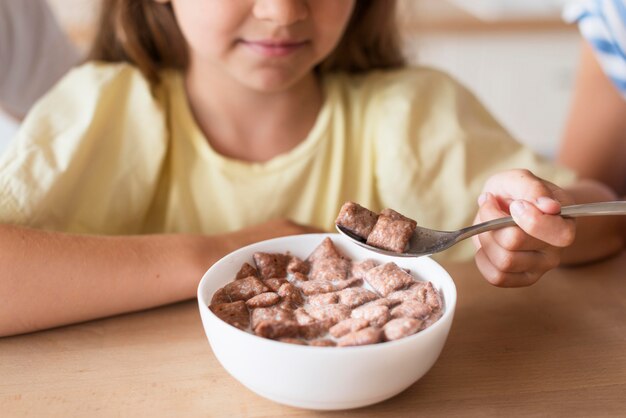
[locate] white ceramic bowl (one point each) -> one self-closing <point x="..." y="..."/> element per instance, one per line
<point x="324" y="378"/>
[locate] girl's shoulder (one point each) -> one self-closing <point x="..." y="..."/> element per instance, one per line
<point x="102" y="74"/>
<point x="407" y="84"/>
<point x="413" y="77"/>
<point x="96" y="90"/>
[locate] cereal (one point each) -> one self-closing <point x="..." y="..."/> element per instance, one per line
<point x="277" y="329"/>
<point x="330" y="269"/>
<point x="324" y="299"/>
<point x="290" y="295"/>
<point x="315" y="287"/>
<point x="327" y="299"/>
<point x="325" y="250"/>
<point x="332" y="313"/>
<point x="274" y="323"/>
<point x="314" y="330"/>
<point x="274" y="284"/>
<point x="234" y="313"/>
<point x="219" y="298"/>
<point x="431" y="297"/>
<point x="263" y="300"/>
<point x="398" y="217"/>
<point x="365" y="336"/>
<point x="296" y="341"/>
<point x="390" y="230"/>
<point x="414" y="292"/>
<point x="356" y="219"/>
<point x="387" y="278"/>
<point x="411" y="309"/>
<point x="244" y="289"/>
<point x="246" y="271"/>
<point x="377" y="316"/>
<point x="274" y="313"/>
<point x="358" y="270"/>
<point x="391" y="234"/>
<point x="298" y="266"/>
<point x="323" y="343"/>
<point x="382" y="301"/>
<point x="356" y="296"/>
<point x="300" y="276"/>
<point x="272" y="265"/>
<point x="347" y="326"/>
<point x="401" y="327"/>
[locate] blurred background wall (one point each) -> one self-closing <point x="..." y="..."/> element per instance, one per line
<point x="516" y="55"/>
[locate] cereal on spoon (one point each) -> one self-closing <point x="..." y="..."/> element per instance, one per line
<point x="388" y="230"/>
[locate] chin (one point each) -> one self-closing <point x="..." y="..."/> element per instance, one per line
<point x="272" y="81"/>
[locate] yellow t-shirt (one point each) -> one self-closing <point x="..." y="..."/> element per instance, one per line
<point x="102" y="153"/>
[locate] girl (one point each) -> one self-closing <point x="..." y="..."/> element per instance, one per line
<point x="205" y="125"/>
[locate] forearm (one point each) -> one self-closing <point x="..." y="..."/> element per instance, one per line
<point x="596" y="237"/>
<point x="594" y="141"/>
<point x="50" y="279"/>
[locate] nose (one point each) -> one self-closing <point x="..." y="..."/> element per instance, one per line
<point x="281" y="12"/>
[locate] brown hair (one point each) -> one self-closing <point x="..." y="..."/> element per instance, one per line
<point x="145" y="33"/>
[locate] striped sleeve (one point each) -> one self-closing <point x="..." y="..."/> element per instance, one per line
<point x="603" y="24"/>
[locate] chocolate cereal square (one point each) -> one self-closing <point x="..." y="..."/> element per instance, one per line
<point x="327" y="263"/>
<point x="370" y="335"/>
<point x="325" y="250"/>
<point x="329" y="313"/>
<point x="397" y="216"/>
<point x="271" y="314"/>
<point x="330" y="269"/>
<point x="356" y="296"/>
<point x="297" y="265"/>
<point x="359" y="269"/>
<point x="391" y="234"/>
<point x="272" y="265"/>
<point x="235" y="314"/>
<point x="263" y="300"/>
<point x="388" y="278"/>
<point x="246" y="271"/>
<point x="244" y="289"/>
<point x="401" y="327"/>
<point x="356" y="219"/>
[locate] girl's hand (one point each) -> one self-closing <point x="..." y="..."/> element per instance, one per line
<point x="519" y="256"/>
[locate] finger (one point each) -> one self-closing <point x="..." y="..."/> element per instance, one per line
<point x="522" y="261"/>
<point x="551" y="229"/>
<point x="523" y="184"/>
<point x="499" y="278"/>
<point x="510" y="238"/>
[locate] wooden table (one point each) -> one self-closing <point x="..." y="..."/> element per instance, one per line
<point x="555" y="349"/>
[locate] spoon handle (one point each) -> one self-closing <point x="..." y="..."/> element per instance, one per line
<point x="573" y="211"/>
<point x="594" y="209"/>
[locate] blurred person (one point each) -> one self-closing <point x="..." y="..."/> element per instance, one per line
<point x="594" y="141"/>
<point x="34" y="54"/>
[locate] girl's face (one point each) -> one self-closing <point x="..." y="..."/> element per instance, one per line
<point x="267" y="45"/>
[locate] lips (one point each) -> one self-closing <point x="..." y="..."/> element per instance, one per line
<point x="271" y="48"/>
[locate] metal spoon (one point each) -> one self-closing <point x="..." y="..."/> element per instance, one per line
<point x="430" y="241"/>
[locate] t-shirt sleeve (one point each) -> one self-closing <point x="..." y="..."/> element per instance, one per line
<point x="436" y="145"/>
<point x="87" y="158"/>
<point x="603" y="24"/>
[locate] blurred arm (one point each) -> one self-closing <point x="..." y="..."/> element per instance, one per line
<point x="594" y="143"/>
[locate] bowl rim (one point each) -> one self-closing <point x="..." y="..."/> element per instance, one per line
<point x="447" y="315"/>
